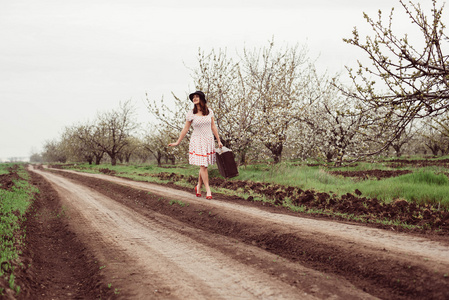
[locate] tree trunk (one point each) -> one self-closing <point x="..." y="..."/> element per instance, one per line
<point x="242" y="155"/>
<point x="329" y="156"/>
<point x="276" y="151"/>
<point x="434" y="148"/>
<point x="397" y="148"/>
<point x="113" y="159"/>
<point x="159" y="158"/>
<point x="444" y="151"/>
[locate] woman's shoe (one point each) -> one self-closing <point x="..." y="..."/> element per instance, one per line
<point x="196" y="192"/>
<point x="209" y="197"/>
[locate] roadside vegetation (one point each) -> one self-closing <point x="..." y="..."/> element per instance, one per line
<point x="410" y="196"/>
<point x="16" y="195"/>
<point x="423" y="185"/>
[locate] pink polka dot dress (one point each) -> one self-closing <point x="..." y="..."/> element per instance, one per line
<point x="202" y="144"/>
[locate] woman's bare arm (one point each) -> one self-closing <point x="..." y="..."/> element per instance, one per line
<point x="215" y="132"/>
<point x="182" y="134"/>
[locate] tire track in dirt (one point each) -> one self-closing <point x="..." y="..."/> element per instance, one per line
<point x="147" y="257"/>
<point x="401" y="243"/>
<point x="367" y="253"/>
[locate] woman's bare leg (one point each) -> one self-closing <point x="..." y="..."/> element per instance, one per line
<point x="200" y="182"/>
<point x="205" y="177"/>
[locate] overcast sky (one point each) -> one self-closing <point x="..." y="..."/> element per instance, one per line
<point x="62" y="62"/>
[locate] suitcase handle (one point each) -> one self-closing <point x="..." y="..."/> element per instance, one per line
<point x="222" y="150"/>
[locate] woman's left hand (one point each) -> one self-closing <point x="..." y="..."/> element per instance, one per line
<point x="220" y="145"/>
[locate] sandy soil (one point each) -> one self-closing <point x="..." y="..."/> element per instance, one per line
<point x="152" y="241"/>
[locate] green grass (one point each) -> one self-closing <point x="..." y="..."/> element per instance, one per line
<point x="137" y="172"/>
<point x="179" y="202"/>
<point x="300" y="176"/>
<point x="13" y="205"/>
<point x="424" y="185"/>
<point x="421" y="186"/>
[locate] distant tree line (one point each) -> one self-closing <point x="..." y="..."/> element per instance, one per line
<point x="272" y="103"/>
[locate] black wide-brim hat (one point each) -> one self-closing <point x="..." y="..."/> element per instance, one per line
<point x="199" y="93"/>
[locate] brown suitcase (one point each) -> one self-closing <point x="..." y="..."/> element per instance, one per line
<point x="226" y="162"/>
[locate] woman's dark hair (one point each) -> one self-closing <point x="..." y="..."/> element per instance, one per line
<point x="203" y="107"/>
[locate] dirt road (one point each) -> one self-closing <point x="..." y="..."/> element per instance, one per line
<point x="153" y="241"/>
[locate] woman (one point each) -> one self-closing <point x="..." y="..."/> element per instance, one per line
<point x="202" y="145"/>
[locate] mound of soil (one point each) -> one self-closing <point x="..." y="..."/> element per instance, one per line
<point x="400" y="163"/>
<point x="107" y="171"/>
<point x="365" y="209"/>
<point x="369" y="174"/>
<point x="7" y="181"/>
